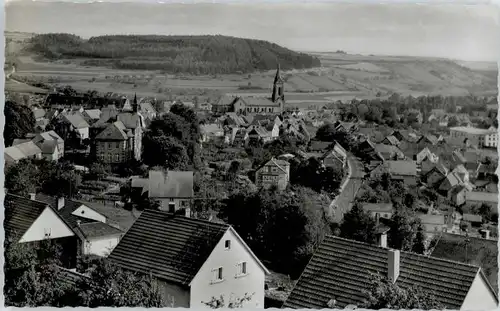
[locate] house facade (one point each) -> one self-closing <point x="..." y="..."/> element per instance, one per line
<point x="193" y="260"/>
<point x="475" y="136"/>
<point x="273" y="173"/>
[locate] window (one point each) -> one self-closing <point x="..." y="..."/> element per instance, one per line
<point x="217" y="275"/>
<point x="117" y="157"/>
<point x="242" y="269"/>
<point x="227" y="244"/>
<point x="171" y="207"/>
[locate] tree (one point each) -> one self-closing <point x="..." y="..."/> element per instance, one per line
<point x="313" y="174"/>
<point x="419" y="242"/>
<point x="110" y="286"/>
<point x="98" y="170"/>
<point x="358" y="225"/>
<point x="282" y="227"/>
<point x="22" y="178"/>
<point x="19" y="121"/>
<point x="403" y="230"/>
<point x="384" y="294"/>
<point x="64" y="181"/>
<point x="217" y="303"/>
<point x="164" y="151"/>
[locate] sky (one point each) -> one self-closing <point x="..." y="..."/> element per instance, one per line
<point x="457" y="31"/>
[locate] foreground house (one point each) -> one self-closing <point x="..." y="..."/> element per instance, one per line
<point x="340" y="270"/>
<point x="193" y="260"/>
<point x="25" y="150"/>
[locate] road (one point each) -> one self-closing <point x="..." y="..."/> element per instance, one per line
<point x="343" y="202"/>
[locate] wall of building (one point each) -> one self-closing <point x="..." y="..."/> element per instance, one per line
<point x="203" y="287"/>
<point x="101" y="246"/>
<point x="112" y="151"/>
<point x="178" y="203"/>
<point x="84" y="132"/>
<point x="175" y="296"/>
<point x="85" y="212"/>
<point x="47" y="223"/>
<point x="479" y="296"/>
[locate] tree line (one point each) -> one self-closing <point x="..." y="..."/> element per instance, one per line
<point x="189" y="54"/>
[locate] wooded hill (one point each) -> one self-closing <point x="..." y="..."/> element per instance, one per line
<point x="175" y="54"/>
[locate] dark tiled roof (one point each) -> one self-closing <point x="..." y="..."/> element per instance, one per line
<point x="172" y="248"/>
<point x="114" y="131"/>
<point x="20" y="213"/>
<point x="173" y="184"/>
<point x="98" y="229"/>
<point x="341" y="269"/>
<point x="67" y="211"/>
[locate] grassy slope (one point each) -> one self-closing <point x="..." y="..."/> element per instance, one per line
<point x="345" y="76"/>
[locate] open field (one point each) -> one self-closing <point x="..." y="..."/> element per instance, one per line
<point x="341" y="77"/>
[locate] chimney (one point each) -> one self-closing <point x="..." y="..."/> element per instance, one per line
<point x="78" y="222"/>
<point x="60" y="203"/>
<point x="32" y="196"/>
<point x="382" y="239"/>
<point x="485" y="234"/>
<point x="393" y="265"/>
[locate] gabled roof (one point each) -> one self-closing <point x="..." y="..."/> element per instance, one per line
<point x="171" y="248"/>
<point x="93" y="114"/>
<point x="402" y="168"/>
<point x="341" y="268"/>
<point x="258" y="101"/>
<point x="98" y="229"/>
<point x="131" y="120"/>
<point x="76" y="119"/>
<point x="378" y="207"/>
<point x="477" y="196"/>
<point x="393" y="140"/>
<point x="281" y="164"/>
<point x="225" y="100"/>
<point x="114" y="131"/>
<point x="173" y="184"/>
<point x="472" y="218"/>
<point x="20" y="213"/>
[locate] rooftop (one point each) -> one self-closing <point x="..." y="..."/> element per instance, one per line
<point x="341" y="268"/>
<point x="171" y="248"/>
<point x="473" y="130"/>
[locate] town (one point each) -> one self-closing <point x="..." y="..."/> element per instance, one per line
<point x="255" y="201"/>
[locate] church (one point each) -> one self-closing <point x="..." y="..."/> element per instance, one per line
<point x="248" y="105"/>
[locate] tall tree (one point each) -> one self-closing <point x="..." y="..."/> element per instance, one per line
<point x="19" y="121"/>
<point x="358" y="225"/>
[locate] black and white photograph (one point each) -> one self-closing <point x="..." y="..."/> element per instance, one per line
<point x="251" y="154"/>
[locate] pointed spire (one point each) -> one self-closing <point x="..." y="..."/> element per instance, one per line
<point x="135" y="98"/>
<point x="135" y="107"/>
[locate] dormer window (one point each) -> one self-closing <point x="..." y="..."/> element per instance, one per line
<point x="227" y="244"/>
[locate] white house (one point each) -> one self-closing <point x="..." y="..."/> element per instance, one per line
<point x="340" y="270"/>
<point x="97" y="234"/>
<point x="194" y="260"/>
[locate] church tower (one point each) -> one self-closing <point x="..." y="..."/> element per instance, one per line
<point x="135" y="106"/>
<point x="278" y="91"/>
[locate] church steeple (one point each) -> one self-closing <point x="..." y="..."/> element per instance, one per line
<point x="135" y="107"/>
<point x="278" y="91"/>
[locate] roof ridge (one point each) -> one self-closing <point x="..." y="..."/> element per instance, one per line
<point x="28" y="199"/>
<point x="404" y="252"/>
<point x="188" y="219"/>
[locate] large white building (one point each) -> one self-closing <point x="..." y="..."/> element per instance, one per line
<point x="476" y="136"/>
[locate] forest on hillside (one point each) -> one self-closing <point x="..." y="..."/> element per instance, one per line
<point x="173" y="54"/>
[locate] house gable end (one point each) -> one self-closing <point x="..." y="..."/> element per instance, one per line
<point x="86" y="212"/>
<point x="47" y="225"/>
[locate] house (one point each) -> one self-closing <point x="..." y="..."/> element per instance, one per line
<point x="369" y="151"/>
<point x="273" y="173"/>
<point x="389" y="152"/>
<point x="340" y="271"/>
<point x="435" y="175"/>
<point x="51" y="144"/>
<point x="457" y="195"/>
<point x="335" y="154"/>
<point x="30" y="221"/>
<point x="25" y="150"/>
<point x="474" y="220"/>
<point x="118" y="133"/>
<point x="39" y="113"/>
<point x="432" y="224"/>
<point x="475" y="136"/>
<point x="405" y="171"/>
<point x="476" y="197"/>
<point x="147" y="110"/>
<point x="173" y="190"/>
<point x="91" y="115"/>
<point x="97" y="233"/>
<point x="75" y="122"/>
<point x="193" y="260"/>
<point x="212" y="132"/>
<point x="379" y="210"/>
<point x="390" y="140"/>
<point x="451" y="180"/>
<point x="425" y="153"/>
